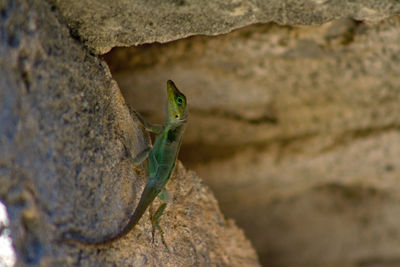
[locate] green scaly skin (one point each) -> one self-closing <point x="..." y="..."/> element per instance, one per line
<point x="161" y="161"/>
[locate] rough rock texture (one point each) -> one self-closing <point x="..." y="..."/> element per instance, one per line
<point x="103" y="24"/>
<point x="296" y="129"/>
<point x="63" y="165"/>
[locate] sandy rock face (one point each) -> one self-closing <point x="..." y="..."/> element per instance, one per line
<point x="65" y="133"/>
<point x="294" y="128"/>
<point x="268" y="82"/>
<point x="104" y="24"/>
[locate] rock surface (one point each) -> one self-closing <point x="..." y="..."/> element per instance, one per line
<point x="64" y="166"/>
<point x="103" y="24"/>
<point x="296" y="129"/>
<point x="266" y="83"/>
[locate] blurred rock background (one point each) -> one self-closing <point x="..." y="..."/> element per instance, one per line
<point x="296" y="130"/>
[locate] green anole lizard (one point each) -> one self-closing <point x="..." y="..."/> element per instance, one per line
<point x="161" y="161"/>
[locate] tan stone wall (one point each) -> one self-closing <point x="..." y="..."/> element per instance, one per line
<point x="296" y="129"/>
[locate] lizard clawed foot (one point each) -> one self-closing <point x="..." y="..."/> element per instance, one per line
<point x="161" y="234"/>
<point x="155" y="224"/>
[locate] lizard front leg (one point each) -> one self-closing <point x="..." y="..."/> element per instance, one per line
<point x="150" y="127"/>
<point x="141" y="157"/>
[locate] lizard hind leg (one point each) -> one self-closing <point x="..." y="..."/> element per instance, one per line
<point x="164" y="197"/>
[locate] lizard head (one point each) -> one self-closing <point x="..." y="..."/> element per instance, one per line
<point x="177" y="111"/>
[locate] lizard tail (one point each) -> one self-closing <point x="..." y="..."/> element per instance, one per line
<point x="149" y="194"/>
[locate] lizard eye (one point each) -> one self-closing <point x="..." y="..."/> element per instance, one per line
<point x="179" y="100"/>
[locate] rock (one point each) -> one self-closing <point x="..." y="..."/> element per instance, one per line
<point x="104" y="24"/>
<point x="294" y="129"/>
<point x="266" y="84"/>
<point x="334" y="208"/>
<point x="64" y="166"/>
